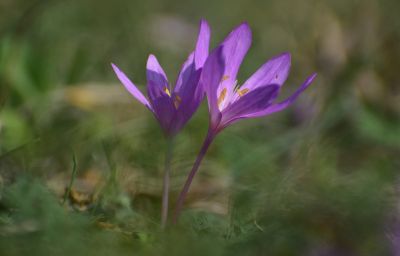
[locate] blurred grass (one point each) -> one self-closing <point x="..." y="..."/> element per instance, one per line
<point x="317" y="179"/>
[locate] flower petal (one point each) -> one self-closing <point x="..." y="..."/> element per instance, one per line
<point x="187" y="77"/>
<point x="235" y="47"/>
<point x="156" y="74"/>
<point x="185" y="74"/>
<point x="131" y="87"/>
<point x="159" y="93"/>
<point x="187" y="94"/>
<point x="284" y="104"/>
<point x="211" y="75"/>
<point x="274" y="71"/>
<point x="162" y="104"/>
<point x="202" y="45"/>
<point x="254" y="101"/>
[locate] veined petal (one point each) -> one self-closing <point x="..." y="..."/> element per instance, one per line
<point x="254" y="101"/>
<point x="284" y="104"/>
<point x="156" y="74"/>
<point x="132" y="89"/>
<point x="235" y="47"/>
<point x="210" y="78"/>
<point x="274" y="71"/>
<point x="202" y="45"/>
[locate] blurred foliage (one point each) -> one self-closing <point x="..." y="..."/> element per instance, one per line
<point x="317" y="179"/>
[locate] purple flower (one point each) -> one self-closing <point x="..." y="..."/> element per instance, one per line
<point x="228" y="102"/>
<point x="173" y="107"/>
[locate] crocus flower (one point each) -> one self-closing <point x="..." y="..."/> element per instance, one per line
<point x="228" y="102"/>
<point x="173" y="107"/>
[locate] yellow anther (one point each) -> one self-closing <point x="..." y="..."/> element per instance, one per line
<point x="224" y="78"/>
<point x="243" y="92"/>
<point x="221" y="96"/>
<point x="177" y="101"/>
<point x="166" y="90"/>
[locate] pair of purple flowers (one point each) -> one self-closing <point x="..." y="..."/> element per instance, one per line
<point x="213" y="75"/>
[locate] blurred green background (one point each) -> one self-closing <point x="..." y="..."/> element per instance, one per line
<point x="317" y="179"/>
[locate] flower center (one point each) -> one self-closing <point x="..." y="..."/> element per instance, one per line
<point x="223" y="94"/>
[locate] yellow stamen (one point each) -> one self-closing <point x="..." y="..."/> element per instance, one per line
<point x="177" y="101"/>
<point x="224" y="78"/>
<point x="222" y="96"/>
<point x="243" y="92"/>
<point x="166" y="90"/>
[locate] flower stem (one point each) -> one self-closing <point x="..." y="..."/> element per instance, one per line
<point x="166" y="182"/>
<point x="179" y="204"/>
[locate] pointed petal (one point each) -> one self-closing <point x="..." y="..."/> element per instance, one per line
<point x="274" y="71"/>
<point x="197" y="58"/>
<point x="194" y="62"/>
<point x="202" y="45"/>
<point x="210" y="80"/>
<point x="155" y="73"/>
<point x="254" y="101"/>
<point x="286" y="103"/>
<point x="235" y="47"/>
<point x="131" y="87"/>
<point x="187" y="95"/>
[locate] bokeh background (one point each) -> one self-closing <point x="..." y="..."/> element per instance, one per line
<point x="320" y="178"/>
